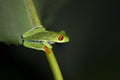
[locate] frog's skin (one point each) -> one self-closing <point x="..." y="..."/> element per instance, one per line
<point x="38" y="38"/>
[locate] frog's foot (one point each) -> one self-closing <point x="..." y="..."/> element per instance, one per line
<point x="47" y="50"/>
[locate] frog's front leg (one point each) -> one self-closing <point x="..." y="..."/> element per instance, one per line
<point x="47" y="47"/>
<point x="46" y="43"/>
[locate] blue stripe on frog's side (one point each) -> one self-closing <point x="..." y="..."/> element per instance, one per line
<point x="49" y="42"/>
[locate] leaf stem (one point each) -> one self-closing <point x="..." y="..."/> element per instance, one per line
<point x="50" y="56"/>
<point x="54" y="65"/>
<point x="32" y="12"/>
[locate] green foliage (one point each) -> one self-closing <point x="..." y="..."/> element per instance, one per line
<point x="14" y="21"/>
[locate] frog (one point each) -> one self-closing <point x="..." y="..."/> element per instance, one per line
<point x="39" y="38"/>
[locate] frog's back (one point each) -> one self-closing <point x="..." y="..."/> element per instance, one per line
<point x="44" y="35"/>
<point x="33" y="31"/>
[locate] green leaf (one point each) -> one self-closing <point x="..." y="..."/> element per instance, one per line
<point x="14" y="21"/>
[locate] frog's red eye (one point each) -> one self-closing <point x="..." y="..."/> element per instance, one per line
<point x="60" y="37"/>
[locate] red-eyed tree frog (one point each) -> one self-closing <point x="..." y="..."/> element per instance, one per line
<point x="40" y="39"/>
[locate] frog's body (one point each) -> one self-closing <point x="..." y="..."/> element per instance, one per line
<point x="49" y="35"/>
<point x="39" y="38"/>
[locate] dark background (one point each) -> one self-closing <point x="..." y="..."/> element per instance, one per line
<point x="92" y="53"/>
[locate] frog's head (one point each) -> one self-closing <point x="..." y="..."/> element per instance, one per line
<point x="61" y="37"/>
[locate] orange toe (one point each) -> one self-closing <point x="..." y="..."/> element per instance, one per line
<point x="47" y="50"/>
